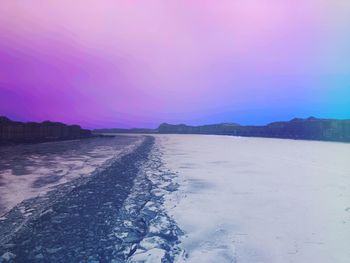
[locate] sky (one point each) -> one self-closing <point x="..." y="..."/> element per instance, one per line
<point x="118" y="63"/>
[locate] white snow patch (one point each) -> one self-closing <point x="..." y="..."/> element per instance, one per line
<point x="153" y="255"/>
<point x="152" y="242"/>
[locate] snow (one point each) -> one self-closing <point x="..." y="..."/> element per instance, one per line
<point x="259" y="200"/>
<point x="153" y="255"/>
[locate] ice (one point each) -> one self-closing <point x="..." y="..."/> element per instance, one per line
<point x="7" y="256"/>
<point x="153" y="255"/>
<point x="259" y="200"/>
<point x="152" y="242"/>
<point x="28" y="171"/>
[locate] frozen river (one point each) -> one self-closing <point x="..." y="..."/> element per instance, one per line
<point x="178" y="198"/>
<point x="260" y="200"/>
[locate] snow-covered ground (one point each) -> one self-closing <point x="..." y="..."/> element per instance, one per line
<point x="256" y="200"/>
<point x="28" y="171"/>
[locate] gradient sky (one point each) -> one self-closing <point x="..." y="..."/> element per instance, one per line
<point x="109" y="63"/>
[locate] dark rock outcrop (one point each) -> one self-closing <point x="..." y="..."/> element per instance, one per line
<point x="306" y="129"/>
<point x="32" y="132"/>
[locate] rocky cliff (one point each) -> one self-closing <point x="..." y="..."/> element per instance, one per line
<point x="31" y="132"/>
<point x="307" y="129"/>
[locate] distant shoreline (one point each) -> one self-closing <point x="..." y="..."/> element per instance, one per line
<point x="13" y="132"/>
<point x="314" y="129"/>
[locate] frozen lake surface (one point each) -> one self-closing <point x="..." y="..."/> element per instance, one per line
<point x="259" y="200"/>
<point x="27" y="171"/>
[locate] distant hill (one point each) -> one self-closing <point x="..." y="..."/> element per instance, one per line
<point x="32" y="132"/>
<point x="222" y="128"/>
<point x="304" y="129"/>
<point x="307" y="129"/>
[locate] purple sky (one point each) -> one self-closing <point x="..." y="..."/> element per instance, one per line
<point x="137" y="63"/>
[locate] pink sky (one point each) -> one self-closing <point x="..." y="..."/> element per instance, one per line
<point x="133" y="63"/>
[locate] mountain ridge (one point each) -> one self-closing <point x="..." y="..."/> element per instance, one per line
<point x="311" y="128"/>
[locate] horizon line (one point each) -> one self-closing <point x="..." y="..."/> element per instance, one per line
<point x="223" y="123"/>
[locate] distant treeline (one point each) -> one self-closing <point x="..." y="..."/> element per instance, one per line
<point x="31" y="132"/>
<point x="304" y="129"/>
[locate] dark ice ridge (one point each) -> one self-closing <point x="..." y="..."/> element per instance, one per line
<point x="144" y="229"/>
<point x="112" y="216"/>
